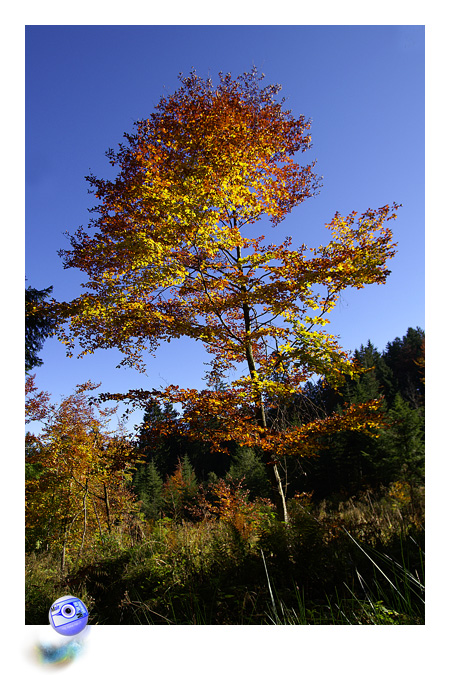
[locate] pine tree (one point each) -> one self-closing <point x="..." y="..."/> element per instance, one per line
<point x="38" y="324"/>
<point x="407" y="442"/>
<point x="247" y="465"/>
<point x="403" y="357"/>
<point x="189" y="477"/>
<point x="351" y="461"/>
<point x="148" y="485"/>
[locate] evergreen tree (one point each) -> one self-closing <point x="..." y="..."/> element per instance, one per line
<point x="38" y="324"/>
<point x="148" y="485"/>
<point x="406" y="438"/>
<point x="165" y="450"/>
<point x="247" y="465"/>
<point x="351" y="461"/>
<point x="403" y="358"/>
<point x="189" y="477"/>
<point x="386" y="380"/>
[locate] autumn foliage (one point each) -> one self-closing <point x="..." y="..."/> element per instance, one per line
<point x="76" y="482"/>
<point x="177" y="250"/>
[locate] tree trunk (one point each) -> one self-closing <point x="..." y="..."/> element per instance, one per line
<point x="84" y="519"/>
<point x="108" y="518"/>
<point x="98" y="521"/>
<point x="279" y="486"/>
<point x="273" y="473"/>
<point x="67" y="529"/>
<point x="63" y="552"/>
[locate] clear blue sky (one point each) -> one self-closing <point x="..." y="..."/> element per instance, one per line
<point x="363" y="88"/>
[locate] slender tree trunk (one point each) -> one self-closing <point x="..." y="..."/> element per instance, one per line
<point x="108" y="517"/>
<point x="281" y="492"/>
<point x="84" y="519"/>
<point x="98" y="521"/>
<point x="63" y="552"/>
<point x="67" y="529"/>
<point x="65" y="535"/>
<point x="274" y="474"/>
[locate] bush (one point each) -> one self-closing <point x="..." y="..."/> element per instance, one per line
<point x="43" y="585"/>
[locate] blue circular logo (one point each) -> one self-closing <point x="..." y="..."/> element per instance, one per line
<point x="68" y="615"/>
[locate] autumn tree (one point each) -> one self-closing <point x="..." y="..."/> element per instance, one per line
<point x="177" y="249"/>
<point x="37" y="403"/>
<point x="77" y="473"/>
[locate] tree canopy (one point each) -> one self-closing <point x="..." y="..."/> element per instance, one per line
<point x="77" y="469"/>
<point x="178" y="250"/>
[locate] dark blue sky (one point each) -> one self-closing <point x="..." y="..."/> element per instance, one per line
<point x="363" y="88"/>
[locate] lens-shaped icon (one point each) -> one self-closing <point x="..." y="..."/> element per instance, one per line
<point x="68" y="611"/>
<point x="68" y="615"/>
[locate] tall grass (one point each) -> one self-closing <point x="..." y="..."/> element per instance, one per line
<point x="394" y="594"/>
<point x="357" y="562"/>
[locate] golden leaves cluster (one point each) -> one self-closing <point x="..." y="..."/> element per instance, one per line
<point x="80" y="483"/>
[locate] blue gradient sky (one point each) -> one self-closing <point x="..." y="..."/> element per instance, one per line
<point x="363" y="88"/>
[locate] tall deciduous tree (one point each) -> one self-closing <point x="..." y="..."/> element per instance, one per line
<point x="179" y="251"/>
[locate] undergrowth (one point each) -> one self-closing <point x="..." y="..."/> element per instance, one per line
<point x="355" y="562"/>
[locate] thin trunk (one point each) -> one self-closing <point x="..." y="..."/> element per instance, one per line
<point x="84" y="519"/>
<point x="63" y="552"/>
<point x="98" y="521"/>
<point x="274" y="475"/>
<point x="281" y="492"/>
<point x="108" y="518"/>
<point x="67" y="529"/>
<point x="66" y="533"/>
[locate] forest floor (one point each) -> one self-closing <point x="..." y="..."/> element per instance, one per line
<point x="359" y="561"/>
